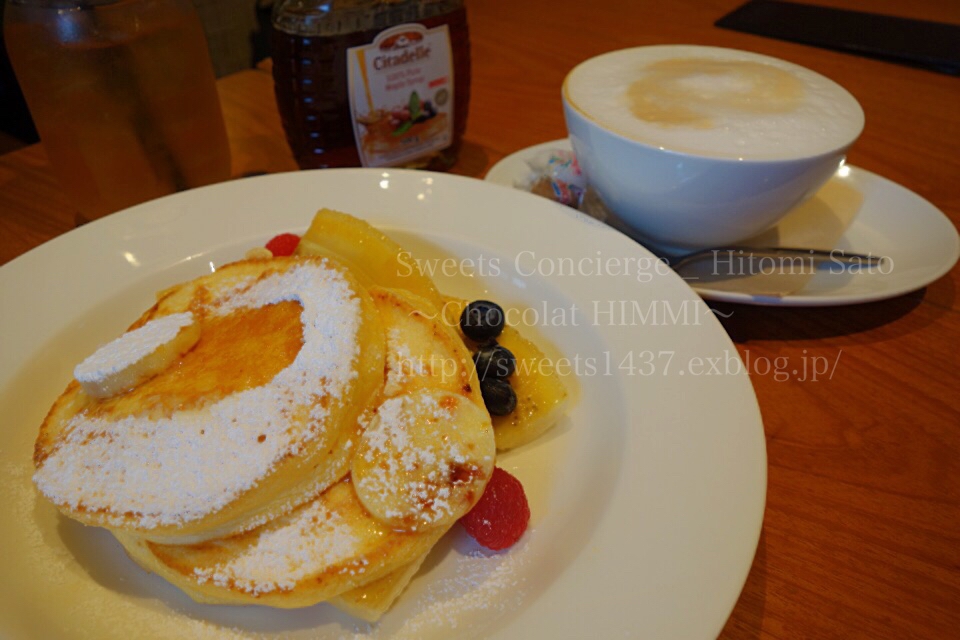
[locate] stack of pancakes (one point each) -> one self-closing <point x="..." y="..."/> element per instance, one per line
<point x="300" y="435"/>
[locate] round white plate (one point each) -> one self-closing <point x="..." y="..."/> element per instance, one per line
<point x="856" y="211"/>
<point x="647" y="498"/>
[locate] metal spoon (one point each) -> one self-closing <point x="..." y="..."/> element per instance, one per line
<point x="816" y="256"/>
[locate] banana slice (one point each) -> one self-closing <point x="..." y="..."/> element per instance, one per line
<point x="371" y="255"/>
<point x="542" y="397"/>
<point x="137" y="355"/>
<point x="424" y="460"/>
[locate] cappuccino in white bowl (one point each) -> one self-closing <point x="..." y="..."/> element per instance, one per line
<point x="695" y="147"/>
<point x="715" y="102"/>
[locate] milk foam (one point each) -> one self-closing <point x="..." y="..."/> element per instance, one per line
<point x="715" y="102"/>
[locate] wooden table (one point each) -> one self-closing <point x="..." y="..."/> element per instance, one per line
<point x="862" y="529"/>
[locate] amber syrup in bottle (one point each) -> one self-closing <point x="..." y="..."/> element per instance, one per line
<point x="372" y="82"/>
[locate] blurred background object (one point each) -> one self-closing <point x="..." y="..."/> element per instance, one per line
<point x="123" y="95"/>
<point x="16" y="126"/>
<point x="237" y="33"/>
<point x="233" y="32"/>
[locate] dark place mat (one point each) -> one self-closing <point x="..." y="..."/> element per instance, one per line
<point x="919" y="43"/>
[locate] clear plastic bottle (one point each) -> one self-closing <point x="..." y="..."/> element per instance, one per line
<point x="372" y="82"/>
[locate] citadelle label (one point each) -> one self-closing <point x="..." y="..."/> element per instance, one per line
<point x="401" y="94"/>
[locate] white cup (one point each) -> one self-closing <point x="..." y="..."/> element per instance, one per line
<point x="675" y="197"/>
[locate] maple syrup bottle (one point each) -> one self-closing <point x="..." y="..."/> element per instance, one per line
<point x="374" y="83"/>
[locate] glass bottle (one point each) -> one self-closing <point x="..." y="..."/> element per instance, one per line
<point x="372" y="82"/>
<point x="123" y="95"/>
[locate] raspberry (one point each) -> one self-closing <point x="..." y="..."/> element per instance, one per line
<point x="501" y="515"/>
<point x="283" y="244"/>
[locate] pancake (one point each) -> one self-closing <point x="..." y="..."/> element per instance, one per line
<point x="319" y="550"/>
<point x="287" y="431"/>
<point x="370" y="601"/>
<point x="257" y="417"/>
<point x="332" y="547"/>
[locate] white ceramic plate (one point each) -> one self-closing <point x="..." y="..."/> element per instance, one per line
<point x="856" y="211"/>
<point x="647" y="499"/>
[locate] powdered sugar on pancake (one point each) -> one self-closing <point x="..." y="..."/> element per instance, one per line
<point x="316" y="538"/>
<point x="180" y="468"/>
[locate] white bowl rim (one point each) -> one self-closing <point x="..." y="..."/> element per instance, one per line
<point x="691" y="156"/>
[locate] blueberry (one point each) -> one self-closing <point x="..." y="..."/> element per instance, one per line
<point x="494" y="362"/>
<point x="482" y="320"/>
<point x="498" y="395"/>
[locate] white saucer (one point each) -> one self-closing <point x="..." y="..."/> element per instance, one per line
<point x="857" y="211"/>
